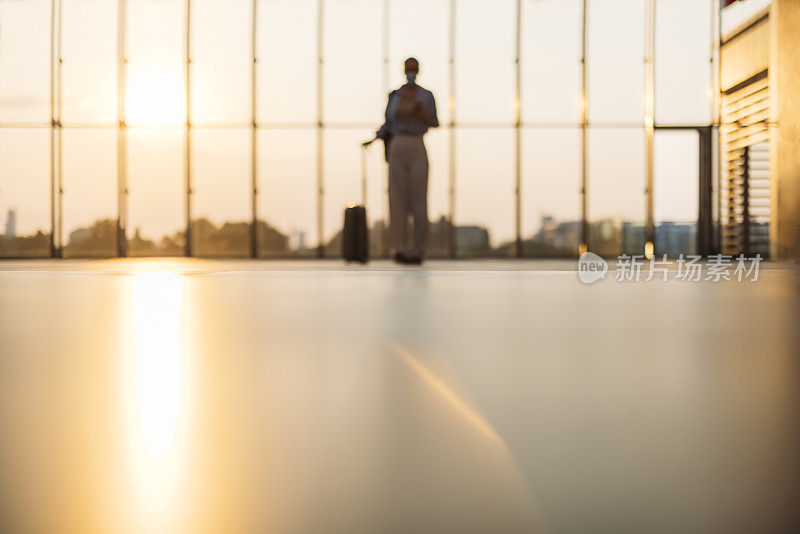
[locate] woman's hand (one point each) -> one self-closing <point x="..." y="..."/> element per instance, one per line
<point x="421" y="112"/>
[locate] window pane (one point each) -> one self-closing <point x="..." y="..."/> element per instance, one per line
<point x="90" y="192"/>
<point x="287" y="61"/>
<point x="426" y="39"/>
<point x="89" y="71"/>
<point x="551" y="204"/>
<point x="287" y="192"/>
<point x="221" y="61"/>
<point x="156" y="50"/>
<point x="24" y="192"/>
<point x="485" y="61"/>
<point x="156" y="203"/>
<point x="615" y="67"/>
<point x="676" y="191"/>
<point x="484" y="191"/>
<point x="25" y="77"/>
<point x="551" y="55"/>
<point x="683" y="69"/>
<point x="221" y="210"/>
<point x="616" y="191"/>
<point x="377" y="200"/>
<point x="352" y="79"/>
<point x="437" y="143"/>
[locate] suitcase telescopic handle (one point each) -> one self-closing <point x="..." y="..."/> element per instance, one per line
<point x="364" y="148"/>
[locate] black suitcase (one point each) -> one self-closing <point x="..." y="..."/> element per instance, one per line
<point x="354" y="235"/>
<point x="355" y="241"/>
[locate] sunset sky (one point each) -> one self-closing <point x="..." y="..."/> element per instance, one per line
<point x="353" y="104"/>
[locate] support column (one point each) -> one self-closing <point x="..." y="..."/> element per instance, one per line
<point x="649" y="127"/>
<point x="56" y="152"/>
<point x="387" y="20"/>
<point x="784" y="79"/>
<point x="451" y="237"/>
<point x="584" y="243"/>
<point x="320" y="132"/>
<point x="705" y="191"/>
<point x="254" y="252"/>
<point x="518" y="134"/>
<point x="716" y="112"/>
<point x="188" y="250"/>
<point x="122" y="137"/>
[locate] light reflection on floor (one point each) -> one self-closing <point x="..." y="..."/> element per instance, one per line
<point x="157" y="392"/>
<point x="172" y="396"/>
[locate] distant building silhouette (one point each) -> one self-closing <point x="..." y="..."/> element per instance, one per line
<point x="471" y="240"/>
<point x="676" y="238"/>
<point x="11" y="224"/>
<point x="632" y="238"/>
<point x="555" y="239"/>
<point x="81" y="234"/>
<point x="297" y="240"/>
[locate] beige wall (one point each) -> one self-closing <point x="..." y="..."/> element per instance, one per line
<point x="784" y="74"/>
<point x="745" y="55"/>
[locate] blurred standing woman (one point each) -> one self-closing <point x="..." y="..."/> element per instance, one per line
<point x="411" y="110"/>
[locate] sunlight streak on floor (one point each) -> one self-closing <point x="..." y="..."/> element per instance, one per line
<point x="157" y="384"/>
<point x="448" y="395"/>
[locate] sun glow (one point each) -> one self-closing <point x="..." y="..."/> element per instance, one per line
<point x="155" y="97"/>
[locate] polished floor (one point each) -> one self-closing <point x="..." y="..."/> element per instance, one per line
<point x="190" y="396"/>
